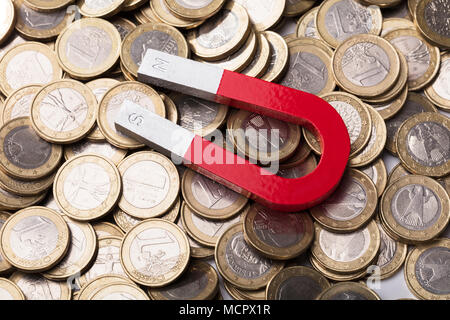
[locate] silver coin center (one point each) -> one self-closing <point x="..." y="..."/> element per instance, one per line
<point x="344" y="247"/>
<point x="211" y="194"/>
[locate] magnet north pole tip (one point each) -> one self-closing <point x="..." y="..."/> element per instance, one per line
<point x="243" y="92"/>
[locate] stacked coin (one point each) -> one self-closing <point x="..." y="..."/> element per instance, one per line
<point x="89" y="213"/>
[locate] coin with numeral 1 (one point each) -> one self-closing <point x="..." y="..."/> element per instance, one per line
<point x="88" y="48"/>
<point x="37" y="287"/>
<point x="35" y="239"/>
<point x="5" y="266"/>
<point x="210" y="199"/>
<point x="155" y="252"/>
<point x="87" y="187"/>
<point x="150" y="184"/>
<point x="82" y="249"/>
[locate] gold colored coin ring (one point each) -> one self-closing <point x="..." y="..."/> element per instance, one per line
<point x="380" y="168"/>
<point x="125" y="52"/>
<point x="242" y="294"/>
<point x="15" y="97"/>
<point x="271" y="20"/>
<point x="351" y="266"/>
<point x="146" y="12"/>
<point x="425" y="29"/>
<point x="212" y="54"/>
<point x="302" y="23"/>
<point x="397" y="172"/>
<point x="300" y="155"/>
<point x="240" y="59"/>
<point x="65" y="289"/>
<point x="259" y="65"/>
<point x="229" y="275"/>
<point x="410" y="273"/>
<point x="11" y="17"/>
<point x="391" y="108"/>
<point x="312" y="42"/>
<point x="280" y="278"/>
<point x="381" y="3"/>
<point x="111" y="288"/>
<point x="108" y="203"/>
<point x="63" y="137"/>
<point x="408" y="235"/>
<point x="162" y="12"/>
<point x="402" y="144"/>
<point x="418" y="99"/>
<point x="276" y="252"/>
<point x="335" y="276"/>
<point x="370" y="91"/>
<point x="398" y="86"/>
<point x="11" y="201"/>
<point x="198" y="251"/>
<point x="197" y="234"/>
<point x="118" y="155"/>
<point x="397" y="260"/>
<point x="390" y="24"/>
<point x="343" y="287"/>
<point x="12" y="289"/>
<point x="201" y="13"/>
<point x="90" y="287"/>
<point x="366" y="122"/>
<point x="113" y="7"/>
<point x="171" y="108"/>
<point x="21" y="173"/>
<point x="371" y="152"/>
<point x="121" y="218"/>
<point x="47" y="5"/>
<point x="361" y="219"/>
<point x="52" y="258"/>
<point x="298" y="8"/>
<point x="412" y="5"/>
<point x="110" y="134"/>
<point x="311" y="46"/>
<point x="107" y="229"/>
<point x="430" y="92"/>
<point x="169" y="276"/>
<point x="435" y="57"/>
<point x="322" y="30"/>
<point x="26" y="188"/>
<point x="279" y="66"/>
<point x="127" y="75"/>
<point x="130" y="5"/>
<point x="208" y="292"/>
<point x="218" y="121"/>
<point x="5" y="266"/>
<point x="58" y="272"/>
<point x="31" y="33"/>
<point x="281" y="154"/>
<point x="43" y="49"/>
<point x="200" y="209"/>
<point x="172" y="193"/>
<point x="108" y="63"/>
<point x="99" y="84"/>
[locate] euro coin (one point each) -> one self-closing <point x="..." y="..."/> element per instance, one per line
<point x="10" y="291"/>
<point x="348" y="291"/>
<point x="37" y="287"/>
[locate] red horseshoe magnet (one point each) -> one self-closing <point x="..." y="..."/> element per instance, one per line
<point x="255" y="95"/>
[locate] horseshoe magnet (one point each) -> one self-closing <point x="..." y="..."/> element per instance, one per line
<point x="243" y="92"/>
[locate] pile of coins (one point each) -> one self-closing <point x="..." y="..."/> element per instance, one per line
<point x="89" y="213"/>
